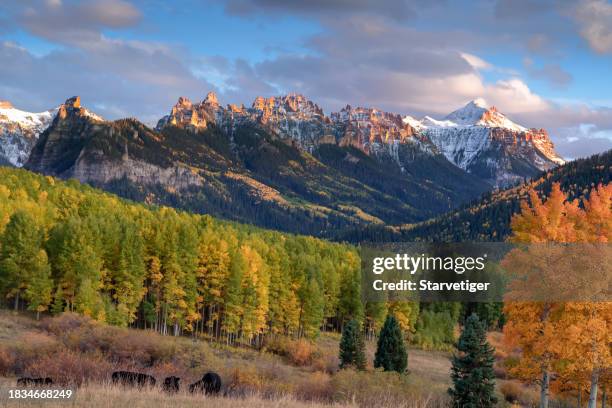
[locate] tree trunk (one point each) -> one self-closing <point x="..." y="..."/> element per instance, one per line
<point x="38" y="315"/>
<point x="593" y="393"/>
<point x="17" y="301"/>
<point x="544" y="389"/>
<point x="603" y="397"/>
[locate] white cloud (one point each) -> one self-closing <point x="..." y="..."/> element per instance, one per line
<point x="476" y="62"/>
<point x="595" y="20"/>
<point x="513" y="95"/>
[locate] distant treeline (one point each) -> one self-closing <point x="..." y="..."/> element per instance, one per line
<point x="488" y="218"/>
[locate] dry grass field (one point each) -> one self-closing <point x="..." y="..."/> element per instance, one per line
<point x="109" y="396"/>
<point x="286" y="373"/>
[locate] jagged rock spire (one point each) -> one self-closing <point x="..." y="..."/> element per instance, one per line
<point x="211" y="99"/>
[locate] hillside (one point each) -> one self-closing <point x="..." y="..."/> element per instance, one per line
<point x="488" y="219"/>
<point x="245" y="172"/>
<point x="288" y="373"/>
<point x="128" y="264"/>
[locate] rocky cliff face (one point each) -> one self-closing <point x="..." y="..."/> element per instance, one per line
<point x="61" y="143"/>
<point x="476" y="138"/>
<point x="296" y="120"/>
<point x="80" y="144"/>
<point x="289" y="117"/>
<point x="194" y="116"/>
<point x="19" y="131"/>
<point x="381" y="134"/>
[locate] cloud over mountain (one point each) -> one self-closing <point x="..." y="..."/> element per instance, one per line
<point x="409" y="57"/>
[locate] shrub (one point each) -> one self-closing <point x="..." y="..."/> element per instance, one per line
<point x="7" y="361"/>
<point x="385" y="388"/>
<point x="315" y="387"/>
<point x="64" y="323"/>
<point x="29" y="347"/>
<point x="193" y="356"/>
<point x="245" y="381"/>
<point x="120" y="345"/>
<point x="516" y="393"/>
<point x="71" y="368"/>
<point x="326" y="362"/>
<point x="435" y="330"/>
<point x="299" y="352"/>
<point x="500" y="370"/>
<point x="511" y="391"/>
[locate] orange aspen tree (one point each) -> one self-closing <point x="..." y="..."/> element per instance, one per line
<point x="586" y="327"/>
<point x="540" y="329"/>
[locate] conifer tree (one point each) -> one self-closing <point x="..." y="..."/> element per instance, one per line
<point x="352" y="346"/>
<point x="391" y="352"/>
<point x="472" y="370"/>
<point x="57" y="306"/>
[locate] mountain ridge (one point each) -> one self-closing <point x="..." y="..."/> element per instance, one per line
<point x="240" y="170"/>
<point x="478" y="139"/>
<point x="282" y="163"/>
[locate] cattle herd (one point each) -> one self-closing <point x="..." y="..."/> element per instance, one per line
<point x="209" y="384"/>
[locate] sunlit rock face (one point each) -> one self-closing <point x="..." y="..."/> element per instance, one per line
<point x="477" y="137"/>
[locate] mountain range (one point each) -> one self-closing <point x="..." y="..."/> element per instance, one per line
<point x="282" y="163"/>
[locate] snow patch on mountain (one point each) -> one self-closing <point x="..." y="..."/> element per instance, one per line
<point x="19" y="131"/>
<point x="479" y="138"/>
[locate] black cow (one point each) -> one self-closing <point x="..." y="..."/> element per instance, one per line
<point x="26" y="381"/>
<point x="209" y="384"/>
<point x="171" y="384"/>
<point x="133" y="379"/>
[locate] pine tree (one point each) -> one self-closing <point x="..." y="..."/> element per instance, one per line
<point x="391" y="352"/>
<point x="57" y="306"/>
<point x="472" y="370"/>
<point x="352" y="346"/>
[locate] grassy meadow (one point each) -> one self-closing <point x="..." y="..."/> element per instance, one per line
<point x="77" y="351"/>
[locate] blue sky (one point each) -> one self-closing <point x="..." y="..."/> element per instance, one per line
<point x="545" y="63"/>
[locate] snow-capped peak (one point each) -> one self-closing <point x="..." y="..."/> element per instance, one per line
<point x="478" y="113"/>
<point x="470" y="114"/>
<point x="476" y="128"/>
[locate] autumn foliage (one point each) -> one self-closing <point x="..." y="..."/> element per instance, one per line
<point x="565" y="346"/>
